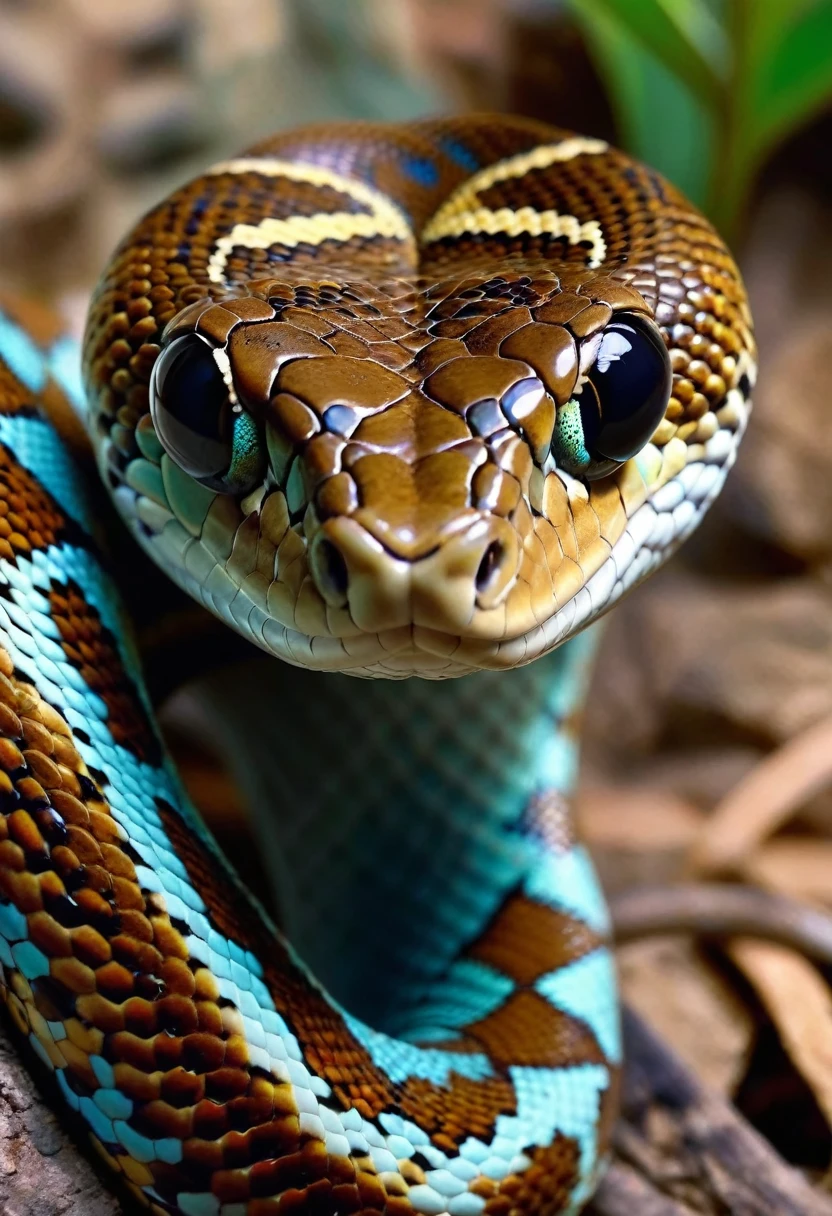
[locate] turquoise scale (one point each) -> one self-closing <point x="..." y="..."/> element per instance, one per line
<point x="440" y="787"/>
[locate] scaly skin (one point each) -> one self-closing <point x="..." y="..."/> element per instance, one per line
<point x="408" y="278"/>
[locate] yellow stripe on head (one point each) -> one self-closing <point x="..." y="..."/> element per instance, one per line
<point x="463" y="214"/>
<point x="384" y="218"/>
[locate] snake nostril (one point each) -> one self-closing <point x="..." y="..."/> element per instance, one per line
<point x="490" y="565"/>
<point x="330" y="572"/>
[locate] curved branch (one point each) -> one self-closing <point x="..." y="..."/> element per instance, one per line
<point x="722" y="910"/>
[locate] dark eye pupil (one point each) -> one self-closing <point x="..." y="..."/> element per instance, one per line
<point x="190" y="407"/>
<point x="631" y="379"/>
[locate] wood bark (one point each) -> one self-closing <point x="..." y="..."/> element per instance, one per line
<point x="680" y="1150"/>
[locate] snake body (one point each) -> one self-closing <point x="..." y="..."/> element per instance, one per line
<point x="391" y="401"/>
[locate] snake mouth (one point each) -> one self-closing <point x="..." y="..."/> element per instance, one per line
<point x="655" y="529"/>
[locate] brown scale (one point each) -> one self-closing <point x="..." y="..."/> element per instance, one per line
<point x="465" y="1107"/>
<point x="93" y="652"/>
<point x="419" y="441"/>
<point x="334" y="1054"/>
<point x="305" y="199"/>
<point x="415" y="464"/>
<point x="44" y="328"/>
<point x="14" y="397"/>
<point x="122" y="984"/>
<point x="526" y="1030"/>
<point x="526" y="940"/>
<point x="122" y="977"/>
<point x="545" y="1187"/>
<point x="29" y="517"/>
<point x="639" y="204"/>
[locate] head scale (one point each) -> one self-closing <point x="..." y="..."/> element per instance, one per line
<point x="375" y="466"/>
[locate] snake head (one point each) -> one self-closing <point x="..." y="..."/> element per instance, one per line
<point x="392" y="429"/>
<point x="405" y="479"/>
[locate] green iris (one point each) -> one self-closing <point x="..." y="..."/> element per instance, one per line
<point x="247" y="456"/>
<point x="568" y="446"/>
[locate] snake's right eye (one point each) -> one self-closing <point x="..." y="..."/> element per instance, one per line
<point x="616" y="410"/>
<point x="191" y="409"/>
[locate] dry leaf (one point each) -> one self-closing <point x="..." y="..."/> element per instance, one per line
<point x="638" y="834"/>
<point x="765" y="799"/>
<point x="800" y="1005"/>
<point x="686" y="1001"/>
<point x="798" y="866"/>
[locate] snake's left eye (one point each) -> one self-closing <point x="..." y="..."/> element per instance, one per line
<point x="197" y="424"/>
<point x="620" y="404"/>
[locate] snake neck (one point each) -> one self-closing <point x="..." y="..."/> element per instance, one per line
<point x="410" y="809"/>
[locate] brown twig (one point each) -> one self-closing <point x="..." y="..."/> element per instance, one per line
<point x="765" y="799"/>
<point x="798" y="1000"/>
<point x="625" y="1192"/>
<point x="722" y="910"/>
<point x="681" y="1150"/>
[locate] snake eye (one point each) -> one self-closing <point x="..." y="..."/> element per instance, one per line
<point x="196" y="421"/>
<point x="620" y="404"/>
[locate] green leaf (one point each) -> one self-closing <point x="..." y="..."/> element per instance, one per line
<point x="791" y="67"/>
<point x="761" y="24"/>
<point x="658" y="118"/>
<point x="683" y="35"/>
<point x="704" y="28"/>
<point x="782" y="73"/>
<point x="703" y="89"/>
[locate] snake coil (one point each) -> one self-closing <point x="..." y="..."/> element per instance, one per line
<point x="391" y="401"/>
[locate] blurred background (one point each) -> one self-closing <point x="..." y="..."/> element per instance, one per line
<point x="709" y="729"/>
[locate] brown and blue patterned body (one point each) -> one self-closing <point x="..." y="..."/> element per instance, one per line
<point x="391" y="472"/>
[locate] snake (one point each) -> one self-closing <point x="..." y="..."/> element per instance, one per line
<point x="415" y="403"/>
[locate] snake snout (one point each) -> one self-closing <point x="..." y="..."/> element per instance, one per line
<point x="472" y="568"/>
